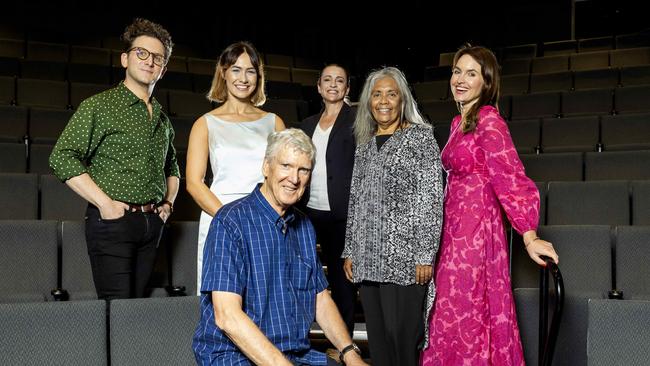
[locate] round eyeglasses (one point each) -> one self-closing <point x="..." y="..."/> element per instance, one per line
<point x="143" y="54"/>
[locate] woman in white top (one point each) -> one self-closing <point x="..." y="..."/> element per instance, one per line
<point x="233" y="136"/>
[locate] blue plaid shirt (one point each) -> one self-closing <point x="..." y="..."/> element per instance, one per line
<point x="271" y="262"/>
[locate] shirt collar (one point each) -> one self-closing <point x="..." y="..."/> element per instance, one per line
<point x="281" y="222"/>
<point x="132" y="99"/>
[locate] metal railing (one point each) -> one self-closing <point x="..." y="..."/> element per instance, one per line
<point x="548" y="335"/>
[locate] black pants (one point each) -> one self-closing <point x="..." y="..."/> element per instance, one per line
<point x="330" y="234"/>
<point x="394" y="322"/>
<point x="122" y="252"/>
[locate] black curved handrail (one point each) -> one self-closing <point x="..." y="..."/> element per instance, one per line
<point x="548" y="336"/>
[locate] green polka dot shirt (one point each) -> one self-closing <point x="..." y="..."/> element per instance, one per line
<point x="112" y="138"/>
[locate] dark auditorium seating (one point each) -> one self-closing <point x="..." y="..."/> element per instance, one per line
<point x="45" y="51"/>
<point x="431" y="90"/>
<point x="571" y="345"/>
<point x="43" y="70"/>
<point x="39" y="155"/>
<point x="640" y="202"/>
<point x="535" y="105"/>
<point x="60" y="202"/>
<point x="542" y="65"/>
<point x="7" y="90"/>
<point x="552" y="81"/>
<point x="46" y="124"/>
<point x="630" y="57"/>
<point x="28" y="264"/>
<point x="595" y="44"/>
<point x="153" y="331"/>
<point x="515" y="84"/>
<point x="76" y="273"/>
<point x="632" y="258"/>
<point x="181" y="240"/>
<point x="625" y="132"/>
<point x="563" y="47"/>
<point x="18" y="162"/>
<point x="618" y="333"/>
<point x="587" y="102"/>
<point x="635" y="75"/>
<point x="19" y="196"/>
<point x="592" y="79"/>
<point x="82" y="91"/>
<point x="13" y="123"/>
<point x="588" y="203"/>
<point x="42" y="93"/>
<point x="553" y="167"/>
<point x="589" y="60"/>
<point x="570" y="134"/>
<point x="632" y="99"/>
<point x="89" y="73"/>
<point x="526" y="135"/>
<point x="57" y="333"/>
<point x="438" y="112"/>
<point x="185" y="103"/>
<point x="582" y="273"/>
<point x="622" y="165"/>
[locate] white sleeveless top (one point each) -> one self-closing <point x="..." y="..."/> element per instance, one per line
<point x="236" y="156"/>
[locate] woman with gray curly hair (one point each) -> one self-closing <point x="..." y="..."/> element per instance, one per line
<point x="394" y="218"/>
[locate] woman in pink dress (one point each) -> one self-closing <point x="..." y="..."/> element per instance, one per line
<point x="474" y="320"/>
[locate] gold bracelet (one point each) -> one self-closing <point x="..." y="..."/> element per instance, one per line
<point x="527" y="244"/>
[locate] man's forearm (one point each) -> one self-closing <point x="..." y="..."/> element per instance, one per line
<point x="86" y="187"/>
<point x="173" y="183"/>
<point x="245" y="334"/>
<point x="329" y="319"/>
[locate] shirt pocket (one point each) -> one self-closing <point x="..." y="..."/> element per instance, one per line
<point x="301" y="275"/>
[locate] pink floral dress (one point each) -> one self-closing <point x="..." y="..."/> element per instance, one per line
<point x="474" y="320"/>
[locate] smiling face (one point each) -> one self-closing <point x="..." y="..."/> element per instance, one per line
<point x="285" y="177"/>
<point x="333" y="84"/>
<point x="241" y="78"/>
<point x="143" y="72"/>
<point x="466" y="81"/>
<point x="386" y="104"/>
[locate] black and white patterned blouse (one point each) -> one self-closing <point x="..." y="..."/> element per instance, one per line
<point x="395" y="211"/>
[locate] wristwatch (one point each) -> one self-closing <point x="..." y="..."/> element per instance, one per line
<point x="346" y="349"/>
<point x="171" y="205"/>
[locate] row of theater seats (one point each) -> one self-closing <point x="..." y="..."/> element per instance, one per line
<point x="593" y="331"/>
<point x="525" y="83"/>
<point x="594" y="259"/>
<point x="607" y="202"/>
<point x="577" y="62"/>
<point x="150" y="331"/>
<point x="562" y="47"/>
<point x="105" y="74"/>
<point x="578" y="133"/>
<point x="590" y="166"/>
<point x="617" y="259"/>
<point x="158" y="331"/>
<point x="68" y="95"/>
<point x="630" y="99"/>
<point x="31" y="197"/>
<point x="41" y="255"/>
<point x="278" y="67"/>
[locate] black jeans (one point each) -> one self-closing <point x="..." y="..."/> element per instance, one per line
<point x="330" y="234"/>
<point x="122" y="252"/>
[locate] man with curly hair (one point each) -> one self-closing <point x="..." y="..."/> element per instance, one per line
<point x="116" y="152"/>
